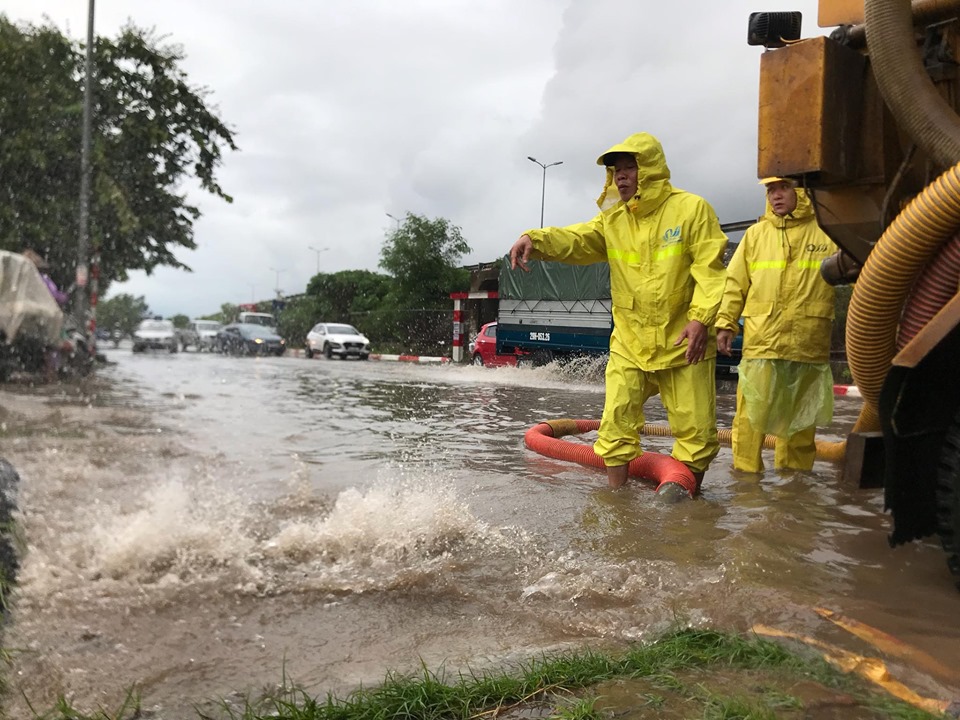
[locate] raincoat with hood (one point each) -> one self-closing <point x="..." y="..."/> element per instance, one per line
<point x="665" y="248"/>
<point x="785" y="386"/>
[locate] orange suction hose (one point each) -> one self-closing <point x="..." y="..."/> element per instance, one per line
<point x="543" y="438"/>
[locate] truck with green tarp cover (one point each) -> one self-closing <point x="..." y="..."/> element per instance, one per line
<point x="555" y="310"/>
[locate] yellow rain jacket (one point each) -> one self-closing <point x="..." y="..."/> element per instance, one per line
<point x="665" y="250"/>
<point x="774" y="283"/>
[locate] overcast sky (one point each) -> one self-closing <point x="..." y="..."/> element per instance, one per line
<point x="347" y="111"/>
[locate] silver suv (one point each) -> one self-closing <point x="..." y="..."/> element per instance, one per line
<point x="201" y="334"/>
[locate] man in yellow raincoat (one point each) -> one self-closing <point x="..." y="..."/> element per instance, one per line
<point x="774" y="284"/>
<point x="665" y="249"/>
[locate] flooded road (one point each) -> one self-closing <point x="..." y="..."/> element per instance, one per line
<point x="198" y="527"/>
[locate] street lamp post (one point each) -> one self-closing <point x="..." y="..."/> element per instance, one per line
<point x="317" y="251"/>
<point x="396" y="220"/>
<point x="543" y="189"/>
<point x="279" y="291"/>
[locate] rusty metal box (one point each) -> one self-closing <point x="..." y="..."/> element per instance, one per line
<point x="811" y="111"/>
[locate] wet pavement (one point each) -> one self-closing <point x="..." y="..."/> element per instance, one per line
<point x="199" y="526"/>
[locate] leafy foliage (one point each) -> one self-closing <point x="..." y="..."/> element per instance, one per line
<point x="423" y="256"/>
<point x="123" y="312"/>
<point x="296" y="319"/>
<point x="350" y="291"/>
<point x="152" y="132"/>
<point x="180" y="321"/>
<point x="228" y="313"/>
<point x="374" y="303"/>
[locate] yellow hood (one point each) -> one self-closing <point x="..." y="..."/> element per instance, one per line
<point x="653" y="175"/>
<point x="802" y="213"/>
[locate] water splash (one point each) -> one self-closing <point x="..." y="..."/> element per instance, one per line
<point x="397" y="533"/>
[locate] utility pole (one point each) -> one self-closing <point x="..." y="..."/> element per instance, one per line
<point x="83" y="240"/>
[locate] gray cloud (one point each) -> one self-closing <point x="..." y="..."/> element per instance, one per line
<point x="347" y="111"/>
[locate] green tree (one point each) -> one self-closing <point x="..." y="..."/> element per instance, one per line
<point x="152" y="133"/>
<point x="123" y="312"/>
<point x="180" y="321"/>
<point x="228" y="313"/>
<point x="348" y="296"/>
<point x="348" y="292"/>
<point x="423" y="256"/>
<point x="297" y="317"/>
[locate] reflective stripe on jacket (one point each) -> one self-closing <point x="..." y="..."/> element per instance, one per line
<point x="665" y="250"/>
<point x="774" y="283"/>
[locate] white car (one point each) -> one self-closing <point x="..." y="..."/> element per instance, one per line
<point x="337" y="339"/>
<point x="155" y="335"/>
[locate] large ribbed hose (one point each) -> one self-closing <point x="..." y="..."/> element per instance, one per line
<point x="544" y="438"/>
<point x="935" y="288"/>
<point x="919" y="231"/>
<point x="904" y="84"/>
<point x="888" y="276"/>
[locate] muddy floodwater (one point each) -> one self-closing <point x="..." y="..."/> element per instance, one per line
<point x="198" y="527"/>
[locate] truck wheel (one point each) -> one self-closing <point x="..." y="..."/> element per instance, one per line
<point x="948" y="498"/>
<point x="539" y="358"/>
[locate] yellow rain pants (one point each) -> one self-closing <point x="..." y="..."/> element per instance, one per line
<point x="688" y="392"/>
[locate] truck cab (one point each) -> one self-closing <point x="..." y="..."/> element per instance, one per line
<point x="257" y="318"/>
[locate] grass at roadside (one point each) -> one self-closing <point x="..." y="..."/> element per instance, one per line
<point x="686" y="674"/>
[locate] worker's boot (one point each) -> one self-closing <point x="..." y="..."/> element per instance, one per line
<point x="698" y="476"/>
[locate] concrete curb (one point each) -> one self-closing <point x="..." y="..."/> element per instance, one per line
<point x="422" y="359"/>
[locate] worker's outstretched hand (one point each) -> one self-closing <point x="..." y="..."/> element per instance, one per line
<point x="520" y="253"/>
<point x="695" y="333"/>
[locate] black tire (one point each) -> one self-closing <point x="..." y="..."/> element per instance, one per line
<point x="308" y="351"/>
<point x="478" y="359"/>
<point x="948" y="498"/>
<point x="364" y="357"/>
<point x="328" y="351"/>
<point x="541" y="357"/>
